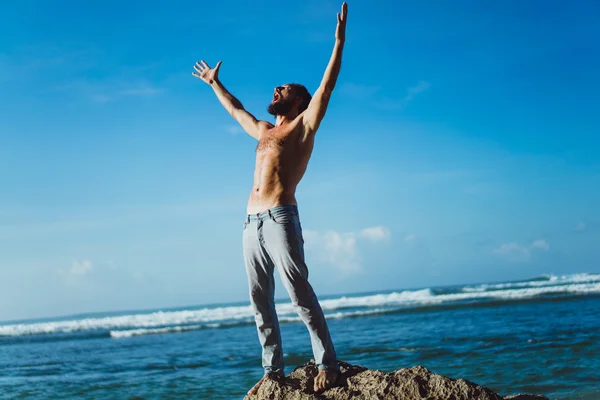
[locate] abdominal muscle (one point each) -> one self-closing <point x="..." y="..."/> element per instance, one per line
<point x="277" y="174"/>
<point x="272" y="185"/>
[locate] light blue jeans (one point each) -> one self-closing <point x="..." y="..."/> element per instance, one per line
<point x="273" y="239"/>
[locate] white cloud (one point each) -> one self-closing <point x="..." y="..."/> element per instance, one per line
<point x="375" y="233"/>
<point x="341" y="249"/>
<point x="410" y="237"/>
<point x="74" y="276"/>
<point x="540" y="244"/>
<point x="365" y="91"/>
<point x="142" y="89"/>
<point x="233" y="129"/>
<point x="411" y="93"/>
<point x="109" y="90"/>
<point x="513" y="252"/>
<point x="520" y="253"/>
<point x="81" y="267"/>
<point x="358" y="89"/>
<point x="415" y="90"/>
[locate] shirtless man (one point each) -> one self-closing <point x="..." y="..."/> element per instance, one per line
<point x="272" y="234"/>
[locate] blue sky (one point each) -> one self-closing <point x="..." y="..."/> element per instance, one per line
<point x="461" y="145"/>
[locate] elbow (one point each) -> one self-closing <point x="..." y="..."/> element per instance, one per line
<point x="234" y="111"/>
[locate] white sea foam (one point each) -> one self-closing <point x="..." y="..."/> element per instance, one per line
<point x="149" y="320"/>
<point x="174" y="329"/>
<point x="153" y="331"/>
<point x="177" y="321"/>
<point x="550" y="280"/>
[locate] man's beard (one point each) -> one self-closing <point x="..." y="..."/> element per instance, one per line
<point x="280" y="107"/>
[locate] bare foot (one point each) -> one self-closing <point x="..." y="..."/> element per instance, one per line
<point x="270" y="375"/>
<point x="326" y="379"/>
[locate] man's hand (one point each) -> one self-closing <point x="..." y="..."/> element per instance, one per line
<point x="206" y="73"/>
<point x="233" y="106"/>
<point x="340" y="32"/>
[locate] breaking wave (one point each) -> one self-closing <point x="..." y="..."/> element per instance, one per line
<point x="165" y="322"/>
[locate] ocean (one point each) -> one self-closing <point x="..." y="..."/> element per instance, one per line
<point x="540" y="335"/>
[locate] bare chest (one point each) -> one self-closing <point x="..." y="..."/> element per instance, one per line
<point x="278" y="141"/>
<point x="272" y="143"/>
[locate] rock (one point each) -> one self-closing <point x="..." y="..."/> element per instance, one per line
<point x="359" y="383"/>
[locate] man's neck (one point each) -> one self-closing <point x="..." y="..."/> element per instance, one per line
<point x="284" y="119"/>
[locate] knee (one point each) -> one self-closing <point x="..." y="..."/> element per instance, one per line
<point x="305" y="300"/>
<point x="257" y="294"/>
<point x="260" y="299"/>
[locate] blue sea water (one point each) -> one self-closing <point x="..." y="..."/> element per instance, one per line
<point x="538" y="336"/>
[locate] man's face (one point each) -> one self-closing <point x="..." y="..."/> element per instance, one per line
<point x="283" y="100"/>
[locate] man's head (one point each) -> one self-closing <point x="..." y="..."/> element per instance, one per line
<point x="289" y="98"/>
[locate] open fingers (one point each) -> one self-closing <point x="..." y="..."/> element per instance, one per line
<point x="200" y="67"/>
<point x="204" y="64"/>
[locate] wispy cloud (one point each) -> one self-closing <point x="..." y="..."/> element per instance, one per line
<point x="103" y="217"/>
<point x="580" y="227"/>
<point x="24" y="62"/>
<point x="109" y="90"/>
<point x="513" y="252"/>
<point x="233" y="129"/>
<point x="540" y="244"/>
<point x="520" y="253"/>
<point x="376" y="233"/>
<point x="341" y="249"/>
<point x="411" y="93"/>
<point x="365" y="91"/>
<point x="415" y="90"/>
<point x="410" y="237"/>
<point x="143" y="89"/>
<point x="83" y="267"/>
<point x="74" y="275"/>
<point x="359" y="90"/>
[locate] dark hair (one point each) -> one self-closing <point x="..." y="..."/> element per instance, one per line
<point x="301" y="91"/>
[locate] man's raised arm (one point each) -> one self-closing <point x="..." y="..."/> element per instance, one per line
<point x="315" y="112"/>
<point x="233" y="106"/>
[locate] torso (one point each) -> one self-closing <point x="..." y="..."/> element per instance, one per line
<point x="282" y="155"/>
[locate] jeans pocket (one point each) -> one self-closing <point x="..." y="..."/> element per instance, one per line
<point x="283" y="218"/>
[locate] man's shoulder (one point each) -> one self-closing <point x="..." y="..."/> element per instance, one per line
<point x="265" y="125"/>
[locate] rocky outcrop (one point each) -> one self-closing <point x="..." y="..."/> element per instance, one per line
<point x="359" y="383"/>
